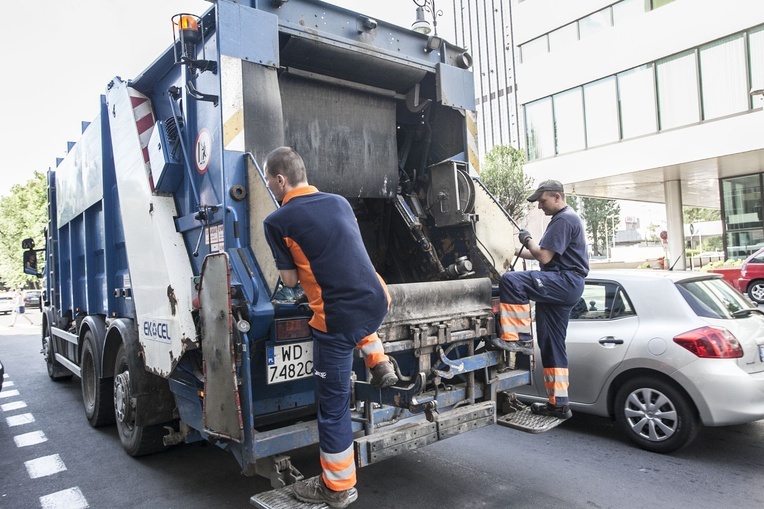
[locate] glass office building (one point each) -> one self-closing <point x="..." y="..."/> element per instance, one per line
<point x="647" y="100"/>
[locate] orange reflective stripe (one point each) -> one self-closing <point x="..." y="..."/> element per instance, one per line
<point x="510" y="320"/>
<point x="556" y="371"/>
<point x="337" y="466"/>
<point x="339" y="469"/>
<point x="309" y="284"/>
<point x="510" y="335"/>
<point x="373" y="350"/>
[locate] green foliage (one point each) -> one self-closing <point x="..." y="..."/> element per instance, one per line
<point x="23" y="213"/>
<point x="598" y="214"/>
<point x="502" y="174"/>
<point x="697" y="214"/>
<point x="720" y="263"/>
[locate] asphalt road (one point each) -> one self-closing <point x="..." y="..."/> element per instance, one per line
<point x="50" y="457"/>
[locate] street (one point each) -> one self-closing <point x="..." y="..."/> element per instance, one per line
<point x="50" y="457"/>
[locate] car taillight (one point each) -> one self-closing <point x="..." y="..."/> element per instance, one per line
<point x="711" y="343"/>
<point x="495" y="305"/>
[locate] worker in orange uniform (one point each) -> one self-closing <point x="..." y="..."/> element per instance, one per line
<point x="556" y="288"/>
<point x="316" y="241"/>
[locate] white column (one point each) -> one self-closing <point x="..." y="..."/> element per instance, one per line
<point x="674" y="224"/>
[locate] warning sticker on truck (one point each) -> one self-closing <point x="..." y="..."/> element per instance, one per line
<point x="289" y="362"/>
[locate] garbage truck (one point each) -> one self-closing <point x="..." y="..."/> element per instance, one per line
<point x="162" y="295"/>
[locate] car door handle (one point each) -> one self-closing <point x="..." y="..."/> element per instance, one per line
<point x="610" y="340"/>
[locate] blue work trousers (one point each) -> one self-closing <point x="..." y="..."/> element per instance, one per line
<point x="555" y="293"/>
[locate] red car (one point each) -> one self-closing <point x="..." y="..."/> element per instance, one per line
<point x="751" y="280"/>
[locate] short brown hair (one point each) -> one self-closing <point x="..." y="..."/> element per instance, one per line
<point x="287" y="162"/>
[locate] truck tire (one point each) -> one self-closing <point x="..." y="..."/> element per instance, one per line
<point x="56" y="371"/>
<point x="655" y="414"/>
<point x="136" y="440"/>
<point x="97" y="392"/>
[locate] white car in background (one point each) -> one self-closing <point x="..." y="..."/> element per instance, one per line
<point x="662" y="352"/>
<point x="7" y="301"/>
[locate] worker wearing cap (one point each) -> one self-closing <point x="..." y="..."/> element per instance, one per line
<point x="316" y="241"/>
<point x="556" y="288"/>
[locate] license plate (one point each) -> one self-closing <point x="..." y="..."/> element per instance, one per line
<point x="290" y="361"/>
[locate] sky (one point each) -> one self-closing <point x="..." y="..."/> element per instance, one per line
<point x="60" y="55"/>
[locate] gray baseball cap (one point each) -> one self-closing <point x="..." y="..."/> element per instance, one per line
<point x="548" y="185"/>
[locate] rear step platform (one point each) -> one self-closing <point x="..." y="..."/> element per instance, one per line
<point x="282" y="498"/>
<point x="524" y="420"/>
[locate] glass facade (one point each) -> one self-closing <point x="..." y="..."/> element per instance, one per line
<point x="677" y="78"/>
<point x="594" y="23"/>
<point x="613" y="15"/>
<point x="742" y="214"/>
<point x="539" y="125"/>
<point x="569" y="121"/>
<point x="725" y="84"/>
<point x="601" y="105"/>
<point x="703" y="83"/>
<point x="756" y="57"/>
<point x="636" y="98"/>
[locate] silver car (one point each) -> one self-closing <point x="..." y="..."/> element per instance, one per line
<point x="663" y="352"/>
<point x="7" y="303"/>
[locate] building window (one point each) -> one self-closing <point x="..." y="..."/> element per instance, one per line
<point x="660" y="3"/>
<point x="601" y="111"/>
<point x="636" y="94"/>
<point x="741" y="201"/>
<point x="678" y="102"/>
<point x="539" y="129"/>
<point x="569" y="121"/>
<point x="723" y="77"/>
<point x="563" y="37"/>
<point x="756" y="57"/>
<point x="595" y="23"/>
<point x="627" y="10"/>
<point x="534" y="48"/>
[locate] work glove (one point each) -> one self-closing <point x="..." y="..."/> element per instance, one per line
<point x="524" y="237"/>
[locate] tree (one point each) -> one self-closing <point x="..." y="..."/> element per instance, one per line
<point x="503" y="176"/>
<point x="698" y="214"/>
<point x="23" y="214"/>
<point x="599" y="216"/>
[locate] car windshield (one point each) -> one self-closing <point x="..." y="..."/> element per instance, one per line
<point x="713" y="298"/>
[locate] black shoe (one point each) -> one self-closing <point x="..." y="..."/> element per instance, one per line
<point x="383" y="375"/>
<point x="524" y="347"/>
<point x="315" y="491"/>
<point x="561" y="412"/>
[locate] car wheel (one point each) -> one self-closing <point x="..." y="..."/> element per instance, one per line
<point x="655" y="414"/>
<point x="97" y="393"/>
<point x="136" y="440"/>
<point x="756" y="291"/>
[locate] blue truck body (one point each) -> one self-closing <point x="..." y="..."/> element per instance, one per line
<point x="161" y="293"/>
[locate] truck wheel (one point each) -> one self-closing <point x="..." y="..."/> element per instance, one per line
<point x="56" y="371"/>
<point x="136" y="440"/>
<point x="97" y="393"/>
<point x="756" y="291"/>
<point x="655" y="414"/>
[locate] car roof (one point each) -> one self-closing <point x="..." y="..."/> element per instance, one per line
<point x="642" y="274"/>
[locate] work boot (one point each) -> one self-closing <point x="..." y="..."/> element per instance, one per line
<point x="561" y="412"/>
<point x="524" y="347"/>
<point x="315" y="491"/>
<point x="383" y="375"/>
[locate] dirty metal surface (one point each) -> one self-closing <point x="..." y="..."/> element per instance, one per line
<point x="281" y="498"/>
<point x="524" y="420"/>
